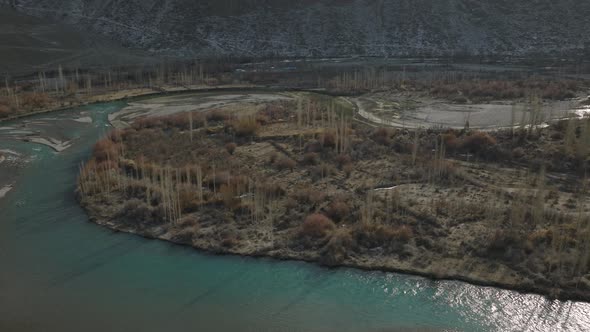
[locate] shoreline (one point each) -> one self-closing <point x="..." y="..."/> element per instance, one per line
<point x="547" y="292"/>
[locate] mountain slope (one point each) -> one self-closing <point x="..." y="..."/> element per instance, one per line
<point x="29" y="44"/>
<point x="330" y="27"/>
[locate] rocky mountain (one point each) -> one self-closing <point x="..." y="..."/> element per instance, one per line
<point x="323" y="28"/>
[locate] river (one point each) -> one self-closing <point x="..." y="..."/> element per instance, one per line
<point x="59" y="272"/>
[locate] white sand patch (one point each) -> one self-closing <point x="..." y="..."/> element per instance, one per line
<point x="84" y="119"/>
<point x="8" y="151"/>
<point x="56" y="145"/>
<point x="582" y="112"/>
<point x="4" y="190"/>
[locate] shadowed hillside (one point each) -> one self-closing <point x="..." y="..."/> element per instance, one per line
<point x="330" y="27"/>
<point x="29" y="44"/>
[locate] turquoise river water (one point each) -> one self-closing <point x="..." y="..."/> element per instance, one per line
<point x="59" y="272"/>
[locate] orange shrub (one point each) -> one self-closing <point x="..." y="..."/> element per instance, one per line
<point x="33" y="100"/>
<point x="231" y="147"/>
<point x="4" y="111"/>
<point x="105" y="149"/>
<point x="478" y="141"/>
<point x="310" y="158"/>
<point x="338" y="210"/>
<point x="310" y="195"/>
<point x="374" y="235"/>
<point x="343" y="159"/>
<point x="383" y="136"/>
<point x="245" y="126"/>
<point x="450" y="140"/>
<point x="216" y="116"/>
<point x="328" y="139"/>
<point x="285" y="163"/>
<point x="317" y="225"/>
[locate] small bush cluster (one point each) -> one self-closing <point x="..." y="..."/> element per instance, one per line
<point x="106" y="149"/>
<point x="310" y="196"/>
<point x="316" y="226"/>
<point x="311" y="158"/>
<point x="374" y="235"/>
<point x="383" y="136"/>
<point x="285" y="163"/>
<point x="322" y="170"/>
<point x="338" y="210"/>
<point x="34" y="101"/>
<point x="477" y="141"/>
<point x="245" y="126"/>
<point x="231" y="147"/>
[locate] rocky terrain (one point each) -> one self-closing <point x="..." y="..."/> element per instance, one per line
<point x="320" y="28"/>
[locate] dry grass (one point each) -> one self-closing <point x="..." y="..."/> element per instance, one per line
<point x="245" y="126"/>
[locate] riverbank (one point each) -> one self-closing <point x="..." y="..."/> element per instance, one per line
<point x="486" y="275"/>
<point x="295" y="178"/>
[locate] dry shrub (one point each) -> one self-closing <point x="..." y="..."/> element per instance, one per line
<point x="285" y="163"/>
<point x="338" y="247"/>
<point x="188" y="200"/>
<point x="328" y="139"/>
<point x="216" y="116"/>
<point x="518" y="153"/>
<point x="338" y="210"/>
<point x="136" y="211"/>
<point x="541" y="236"/>
<point x="116" y="135"/>
<point x="189" y="221"/>
<point x="229" y="240"/>
<point x="322" y="170"/>
<point x="310" y="196"/>
<point x="347" y="169"/>
<point x="262" y="119"/>
<point x="502" y="240"/>
<point x="271" y="189"/>
<point x="245" y="126"/>
<point x="273" y="112"/>
<point x="4" y="111"/>
<point x="313" y="146"/>
<point x="342" y="160"/>
<point x="317" y="226"/>
<point x="478" y="141"/>
<point x="33" y="100"/>
<point x="383" y="136"/>
<point x="148" y="122"/>
<point x="311" y="158"/>
<point x="231" y="148"/>
<point x="105" y="149"/>
<point x="291" y="203"/>
<point x="228" y="194"/>
<point x="450" y="141"/>
<point x="371" y="235"/>
<point x="5" y="107"/>
<point x="218" y="179"/>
